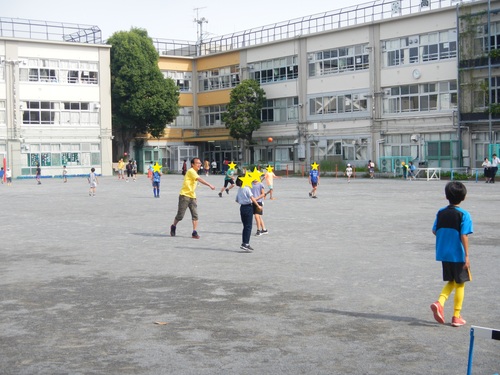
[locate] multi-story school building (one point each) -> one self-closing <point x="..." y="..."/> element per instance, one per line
<point x="388" y="81"/>
<point x="55" y="98"/>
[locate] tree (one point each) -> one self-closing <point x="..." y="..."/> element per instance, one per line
<point x="242" y="117"/>
<point x="143" y="101"/>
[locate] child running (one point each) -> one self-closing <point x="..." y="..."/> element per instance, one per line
<point x="269" y="177"/>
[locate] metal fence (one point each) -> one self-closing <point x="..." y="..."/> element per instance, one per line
<point x="355" y="15"/>
<point x="47" y="30"/>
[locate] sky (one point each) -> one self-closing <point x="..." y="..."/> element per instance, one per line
<point x="169" y="19"/>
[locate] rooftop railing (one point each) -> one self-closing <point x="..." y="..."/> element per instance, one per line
<point x="47" y="30"/>
<point x="374" y="11"/>
<point x="355" y="15"/>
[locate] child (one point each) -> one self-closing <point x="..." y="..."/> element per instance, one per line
<point x="38" y="174"/>
<point x="269" y="177"/>
<point x="93" y="182"/>
<point x="65" y="172"/>
<point x="155" y="179"/>
<point x="246" y="200"/>
<point x="150" y="170"/>
<point x="134" y="170"/>
<point x="348" y="172"/>
<point x="405" y="170"/>
<point x="259" y="195"/>
<point x="2" y="173"/>
<point x="451" y="228"/>
<point x="487" y="167"/>
<point x="228" y="180"/>
<point x="412" y="171"/>
<point x="8" y="176"/>
<point x="371" y="168"/>
<point x="314" y="181"/>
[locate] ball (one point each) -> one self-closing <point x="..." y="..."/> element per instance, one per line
<point x="270" y="139"/>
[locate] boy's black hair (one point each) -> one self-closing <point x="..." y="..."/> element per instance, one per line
<point x="455" y="192"/>
<point x="92" y="169"/>
<point x="238" y="182"/>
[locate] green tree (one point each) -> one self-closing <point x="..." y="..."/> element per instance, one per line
<point x="242" y="117"/>
<point x="143" y="101"/>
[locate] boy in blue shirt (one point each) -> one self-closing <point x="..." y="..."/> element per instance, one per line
<point x="155" y="179"/>
<point x="451" y="228"/>
<point x="247" y="201"/>
<point x="314" y="181"/>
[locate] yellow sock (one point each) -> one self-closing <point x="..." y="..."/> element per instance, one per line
<point x="445" y="293"/>
<point x="459" y="299"/>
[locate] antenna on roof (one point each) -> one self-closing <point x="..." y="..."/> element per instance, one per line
<point x="199" y="30"/>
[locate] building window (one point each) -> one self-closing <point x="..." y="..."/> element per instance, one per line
<point x="78" y="113"/>
<point x="420" y="48"/>
<point x="184" y="119"/>
<point x="221" y="78"/>
<point x="276" y="70"/>
<point x="59" y="71"/>
<point x="212" y="115"/>
<point x="39" y="113"/>
<point x="183" y="80"/>
<point x="337" y="104"/>
<point x="57" y="154"/>
<point x="338" y="60"/>
<point x="494" y="90"/>
<point x="440" y="150"/>
<point x="437" y="96"/>
<point x="482" y="36"/>
<point x="60" y="113"/>
<point x="2" y="112"/>
<point x="280" y="110"/>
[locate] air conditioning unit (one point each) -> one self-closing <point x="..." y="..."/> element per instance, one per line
<point x="387" y="91"/>
<point x="415" y="137"/>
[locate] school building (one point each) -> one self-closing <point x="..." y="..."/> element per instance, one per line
<point x="55" y="98"/>
<point x="388" y="81"/>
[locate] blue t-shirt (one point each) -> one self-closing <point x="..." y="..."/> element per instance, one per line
<point x="257" y="190"/>
<point x="314" y="175"/>
<point x="244" y="195"/>
<point x="156" y="177"/>
<point x="451" y="223"/>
